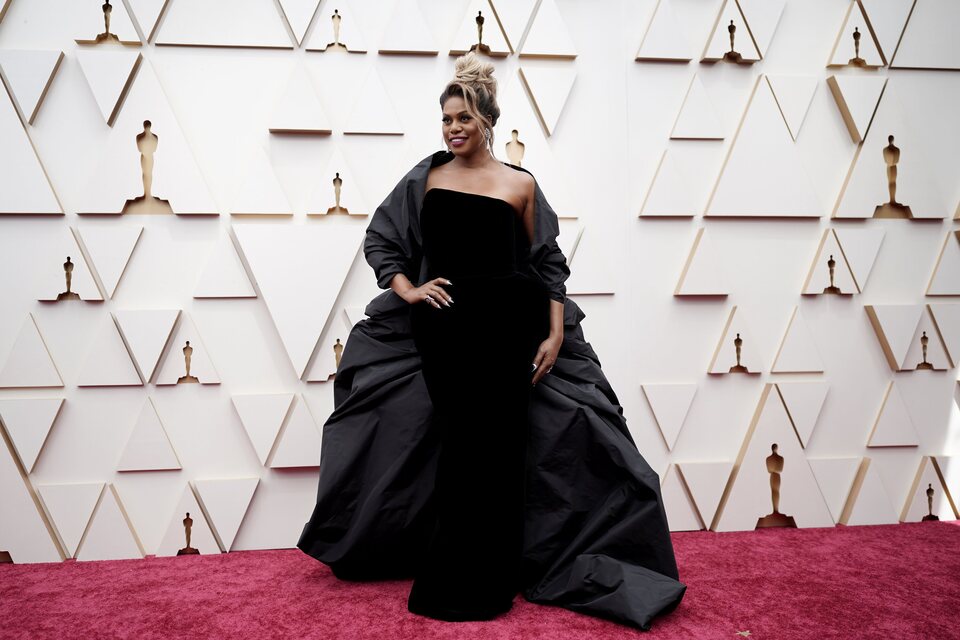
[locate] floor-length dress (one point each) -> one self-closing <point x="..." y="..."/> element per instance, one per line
<point x="477" y="364"/>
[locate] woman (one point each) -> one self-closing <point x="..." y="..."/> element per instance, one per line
<point x="476" y="444"/>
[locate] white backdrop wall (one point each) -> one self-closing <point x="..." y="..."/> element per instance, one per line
<point x="733" y="219"/>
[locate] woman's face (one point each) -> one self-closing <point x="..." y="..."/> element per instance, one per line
<point x="462" y="132"/>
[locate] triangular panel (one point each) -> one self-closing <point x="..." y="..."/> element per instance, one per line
<point x="798" y="352"/>
<point x="770" y="443"/>
<point x="28" y="422"/>
<point x="262" y="416"/>
<point x="145" y="333"/>
<point x="148" y="448"/>
<point x="28" y="74"/>
<point x="893" y="426"/>
<point x="70" y="507"/>
<point x="110" y="535"/>
<point x="670" y="404"/>
<point x="225" y="501"/>
<point x="110" y="248"/>
<point x="29" y="363"/>
<point x="201" y="536"/>
<point x="299" y="270"/>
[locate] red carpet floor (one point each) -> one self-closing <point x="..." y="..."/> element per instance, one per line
<point x="897" y="581"/>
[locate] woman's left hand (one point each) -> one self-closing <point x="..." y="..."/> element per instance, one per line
<point x="546" y="356"/>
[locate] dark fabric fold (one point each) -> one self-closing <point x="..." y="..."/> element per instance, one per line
<point x="596" y="539"/>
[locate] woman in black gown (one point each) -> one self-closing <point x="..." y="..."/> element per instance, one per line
<point x="454" y="455"/>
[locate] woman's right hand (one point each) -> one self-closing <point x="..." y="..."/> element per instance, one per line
<point x="430" y="292"/>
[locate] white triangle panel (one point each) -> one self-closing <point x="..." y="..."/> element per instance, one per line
<point x="299" y="442"/>
<point x="109" y="73"/>
<point x="145" y="332"/>
<point x="28" y="422"/>
<point x="945" y="280"/>
<point x="29" y="363"/>
<point x="719" y="42"/>
<point x="706" y="482"/>
<point x="918" y="505"/>
<point x="259" y="192"/>
<point x="408" y="32"/>
<point x="108" y="362"/>
<point x="725" y="355"/>
<point x="58" y="247"/>
<point x="893" y="426"/>
<point x="751" y="494"/>
<point x="697" y="119"/>
<point x="860" y="247"/>
<point x="670" y="404"/>
<point x="373" y="110"/>
<point x="175" y="537"/>
<point x="118" y="176"/>
<point x="70" y="507"/>
<point x="803" y="401"/>
<point x="665" y="38"/>
<point x="895" y="326"/>
<point x="549" y="88"/>
<point x="148" y="448"/>
<point x="147" y="14"/>
<point x="299" y="270"/>
<point x="888" y="19"/>
<point x="241" y="23"/>
<point x="762" y="17"/>
<point x="224" y="275"/>
<point x="857" y="98"/>
<point x="110" y="535"/>
<point x="947" y="318"/>
<point x="835" y="477"/>
<point x="798" y="352"/>
<point x="298" y="14"/>
<point x="867" y="185"/>
<point x="794" y="95"/>
<point x="763" y="174"/>
<point x="681" y="513"/>
<point x="704" y="273"/>
<point x="845" y="48"/>
<point x="29" y="75"/>
<point x="262" y="416"/>
<point x="869" y="503"/>
<point x="110" y="248"/>
<point x="818" y="278"/>
<point x="514" y="16"/>
<point x="926" y="42"/>
<point x="299" y="110"/>
<point x="23" y="530"/>
<point x="548" y="36"/>
<point x="669" y="194"/>
<point x="24" y="185"/>
<point x="323" y="200"/>
<point x="936" y="351"/>
<point x="225" y="501"/>
<point x="174" y="367"/>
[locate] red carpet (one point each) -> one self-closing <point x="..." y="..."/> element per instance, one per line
<point x="895" y="581"/>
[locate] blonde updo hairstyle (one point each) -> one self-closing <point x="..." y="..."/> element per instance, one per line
<point x="474" y="82"/>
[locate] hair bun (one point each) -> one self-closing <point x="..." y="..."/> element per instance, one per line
<point x="471" y="69"/>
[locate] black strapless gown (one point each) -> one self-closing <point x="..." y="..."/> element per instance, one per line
<point x="477" y="356"/>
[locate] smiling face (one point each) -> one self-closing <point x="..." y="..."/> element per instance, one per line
<point x="464" y="134"/>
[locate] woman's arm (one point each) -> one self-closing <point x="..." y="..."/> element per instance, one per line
<point x="542" y="227"/>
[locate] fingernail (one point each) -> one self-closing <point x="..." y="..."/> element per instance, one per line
<point x="451" y="299"/>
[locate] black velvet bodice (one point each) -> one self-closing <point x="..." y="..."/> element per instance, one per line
<point x="471" y="235"/>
